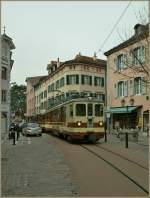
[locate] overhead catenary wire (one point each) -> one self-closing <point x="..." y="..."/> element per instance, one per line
<point x="122" y="14"/>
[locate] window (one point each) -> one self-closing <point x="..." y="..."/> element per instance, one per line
<point x="62" y="82"/>
<point x="45" y="105"/>
<point x="71" y="110"/>
<point x="49" y="88"/>
<point x="72" y="79"/>
<point x="52" y="87"/>
<point x="120" y="63"/>
<point x="4" y="95"/>
<point x="4" y="73"/>
<point x="99" y="81"/>
<point x="98" y="110"/>
<point x="86" y="79"/>
<point x="120" y="89"/>
<point x="57" y="84"/>
<point x="80" y="110"/>
<point x="100" y="96"/>
<point x="45" y="94"/>
<point x="42" y="95"/>
<point x="137" y="86"/>
<point x="138" y="55"/>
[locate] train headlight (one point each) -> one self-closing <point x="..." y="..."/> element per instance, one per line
<point x="79" y="123"/>
<point x="101" y="123"/>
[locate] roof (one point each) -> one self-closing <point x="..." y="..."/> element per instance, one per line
<point x="86" y="60"/>
<point x="7" y="39"/>
<point x="35" y="79"/>
<point x="141" y="32"/>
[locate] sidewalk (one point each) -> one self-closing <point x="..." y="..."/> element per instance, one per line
<point x="136" y="151"/>
<point x="34" y="167"/>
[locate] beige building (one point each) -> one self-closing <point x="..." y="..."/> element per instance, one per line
<point x="128" y="81"/>
<point x="81" y="77"/>
<point x="7" y="46"/>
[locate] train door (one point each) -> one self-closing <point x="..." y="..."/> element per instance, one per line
<point x="90" y="115"/>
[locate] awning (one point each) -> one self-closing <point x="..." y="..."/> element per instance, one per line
<point x="127" y="109"/>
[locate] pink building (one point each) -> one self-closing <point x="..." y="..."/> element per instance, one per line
<point x="128" y="81"/>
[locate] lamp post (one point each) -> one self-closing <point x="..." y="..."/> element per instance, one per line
<point x="126" y="133"/>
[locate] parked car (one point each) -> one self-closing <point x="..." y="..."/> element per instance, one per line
<point x="32" y="129"/>
<point x="22" y="125"/>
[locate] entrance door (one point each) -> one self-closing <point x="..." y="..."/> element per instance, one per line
<point x="90" y="115"/>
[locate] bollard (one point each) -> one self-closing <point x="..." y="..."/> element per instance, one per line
<point x="126" y="139"/>
<point x="105" y="136"/>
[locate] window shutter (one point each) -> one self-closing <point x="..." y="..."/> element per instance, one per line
<point x="130" y="59"/>
<point x="95" y="81"/>
<point x="82" y="79"/>
<point x="77" y="79"/>
<point x="126" y="88"/>
<point x="143" y="85"/>
<point x="116" y="90"/>
<point x="125" y="61"/>
<point x="131" y="87"/>
<point x="115" y="64"/>
<point x="90" y="80"/>
<point x="102" y="82"/>
<point x="67" y="80"/>
<point x="143" y="54"/>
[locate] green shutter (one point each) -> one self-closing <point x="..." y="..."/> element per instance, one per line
<point x="77" y="79"/>
<point x="82" y="79"/>
<point x="90" y="80"/>
<point x="102" y="82"/>
<point x="67" y="78"/>
<point x="95" y="80"/>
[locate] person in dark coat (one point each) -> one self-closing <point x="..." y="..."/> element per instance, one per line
<point x="17" y="129"/>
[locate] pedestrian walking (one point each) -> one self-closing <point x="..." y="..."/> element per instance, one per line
<point x="17" y="129"/>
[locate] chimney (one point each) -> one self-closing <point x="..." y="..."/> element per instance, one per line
<point x="94" y="57"/>
<point x="58" y="63"/>
<point x="139" y="28"/>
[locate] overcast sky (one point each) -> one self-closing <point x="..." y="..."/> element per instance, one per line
<point x="43" y="31"/>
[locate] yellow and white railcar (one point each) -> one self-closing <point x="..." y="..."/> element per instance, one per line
<point x="77" y="119"/>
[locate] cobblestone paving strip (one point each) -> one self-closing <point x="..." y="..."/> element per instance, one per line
<point x="35" y="168"/>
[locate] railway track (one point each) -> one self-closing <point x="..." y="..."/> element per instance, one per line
<point x="101" y="154"/>
<point x="123" y="157"/>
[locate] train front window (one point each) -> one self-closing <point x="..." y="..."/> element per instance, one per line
<point x="90" y="109"/>
<point x="80" y="110"/>
<point x="71" y="110"/>
<point x="98" y="110"/>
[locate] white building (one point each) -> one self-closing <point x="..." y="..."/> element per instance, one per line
<point x="7" y="46"/>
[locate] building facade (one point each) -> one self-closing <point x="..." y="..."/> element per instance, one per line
<point x="128" y="81"/>
<point x="7" y="46"/>
<point x="81" y="77"/>
<point x="30" y="95"/>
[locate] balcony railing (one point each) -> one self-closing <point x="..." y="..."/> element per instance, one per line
<point x="54" y="102"/>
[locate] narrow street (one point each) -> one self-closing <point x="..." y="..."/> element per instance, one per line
<point x="49" y="166"/>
